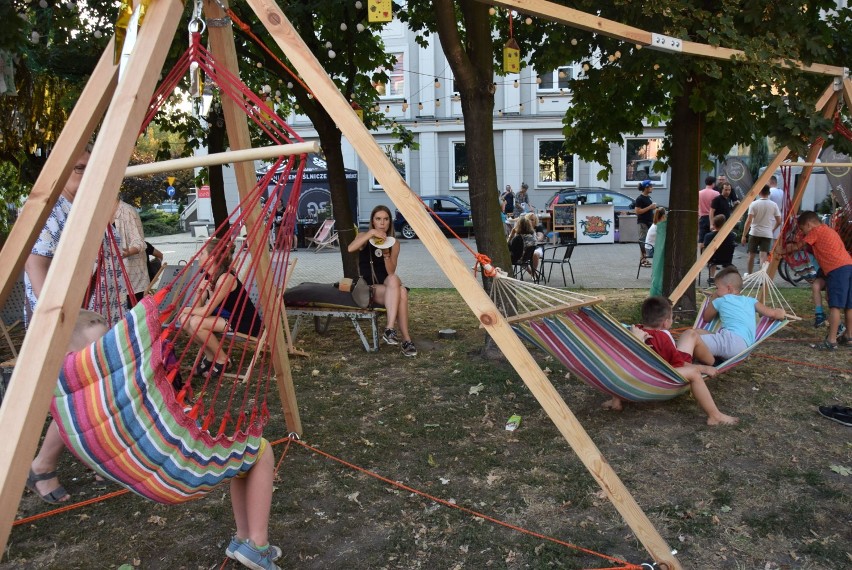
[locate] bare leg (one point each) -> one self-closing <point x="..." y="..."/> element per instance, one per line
<point x="834" y="323"/>
<point x="202" y="330"/>
<point x="691" y="343"/>
<point x="816" y="291"/>
<point x="47" y="460"/>
<point x="703" y="397"/>
<point x="251" y="499"/>
<point x="750" y="264"/>
<point x="388" y="294"/>
<point x="403" y="313"/>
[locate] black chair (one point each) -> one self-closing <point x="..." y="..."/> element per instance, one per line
<point x="554" y="260"/>
<point x="649" y="254"/>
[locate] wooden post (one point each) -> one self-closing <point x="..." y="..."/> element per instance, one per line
<point x="72" y="140"/>
<point x="31" y="388"/>
<point x="825" y="100"/>
<point x="236" y="124"/>
<point x="460" y="275"/>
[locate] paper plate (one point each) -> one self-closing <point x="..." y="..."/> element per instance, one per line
<point x="389" y="241"/>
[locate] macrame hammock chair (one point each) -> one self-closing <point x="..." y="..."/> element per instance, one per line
<point x="601" y="351"/>
<point x="123" y="405"/>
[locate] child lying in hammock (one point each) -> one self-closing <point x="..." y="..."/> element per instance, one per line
<point x="656" y="320"/>
<point x="736" y="313"/>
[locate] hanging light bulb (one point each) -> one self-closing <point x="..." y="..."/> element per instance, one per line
<point x="98" y="34"/>
<point x="515" y="84"/>
<point x="394" y="125"/>
<point x="541" y="100"/>
<point x="573" y="41"/>
<point x="528" y="21"/>
<point x="415" y="124"/>
<point x="420" y="106"/>
<point x="328" y="44"/>
<point x="43" y="3"/>
<point x="35" y="37"/>
<point x="458" y="121"/>
<point x="343" y="27"/>
<point x="331" y="54"/>
<point x="387" y="108"/>
<point x="500" y="113"/>
<point x="404" y="105"/>
<point x="492" y="10"/>
<point x="538" y="80"/>
<point x="360" y="27"/>
<point x="437" y="102"/>
<point x="521" y="107"/>
<point x="437" y="83"/>
<point x="561" y="74"/>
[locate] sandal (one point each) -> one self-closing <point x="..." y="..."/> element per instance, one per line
<point x="825" y="345"/>
<point x="218" y="368"/>
<point x="54" y="497"/>
<point x="843" y="340"/>
<point x="645" y="263"/>
<point x="203" y="367"/>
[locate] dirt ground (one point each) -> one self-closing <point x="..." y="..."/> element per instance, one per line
<point x="772" y="492"/>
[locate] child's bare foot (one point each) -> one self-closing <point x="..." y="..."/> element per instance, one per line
<point x="614" y="404"/>
<point x="722" y="419"/>
<point x="709" y="371"/>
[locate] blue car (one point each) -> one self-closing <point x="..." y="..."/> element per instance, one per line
<point x="454" y="211"/>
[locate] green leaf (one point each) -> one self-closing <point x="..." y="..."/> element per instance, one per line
<point x="841" y="470"/>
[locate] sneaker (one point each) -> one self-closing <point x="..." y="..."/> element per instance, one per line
<point x="247" y="554"/>
<point x="839" y="414"/>
<point x="819" y="320"/>
<point x="203" y="367"/>
<point x="236" y="542"/>
<point x="408" y="348"/>
<point x="390" y="336"/>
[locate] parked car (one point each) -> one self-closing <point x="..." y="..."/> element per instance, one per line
<point x="454" y="211"/>
<point x="622" y="203"/>
<point x="167" y="207"/>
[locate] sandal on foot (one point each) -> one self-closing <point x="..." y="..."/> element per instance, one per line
<point x="844" y="340"/>
<point x="54" y="497"/>
<point x="203" y="367"/>
<point x="825" y="345"/>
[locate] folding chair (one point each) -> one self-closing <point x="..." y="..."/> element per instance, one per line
<point x="525" y="266"/>
<point x="325" y="237"/>
<point x="649" y="254"/>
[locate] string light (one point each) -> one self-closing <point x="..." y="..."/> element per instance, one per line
<point x="521" y="107"/>
<point x="437" y="83"/>
<point x="437" y="102"/>
<point x="420" y="106"/>
<point x="541" y="100"/>
<point x="515" y="84"/>
<point x="387" y="108"/>
<point x="343" y="27"/>
<point x="492" y="11"/>
<point x="528" y="21"/>
<point x="404" y="105"/>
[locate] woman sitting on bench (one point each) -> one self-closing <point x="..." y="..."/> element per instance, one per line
<point x="223" y="305"/>
<point x="378" y="268"/>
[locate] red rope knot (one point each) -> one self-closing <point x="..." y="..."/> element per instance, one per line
<point x="484" y="261"/>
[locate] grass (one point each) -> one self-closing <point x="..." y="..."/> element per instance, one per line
<point x="762" y="494"/>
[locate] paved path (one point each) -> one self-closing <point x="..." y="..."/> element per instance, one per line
<point x="595" y="266"/>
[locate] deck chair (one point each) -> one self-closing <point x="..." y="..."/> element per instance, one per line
<point x="325" y="237"/>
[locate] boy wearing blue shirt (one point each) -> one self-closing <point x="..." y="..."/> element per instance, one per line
<point x="736" y="313"/>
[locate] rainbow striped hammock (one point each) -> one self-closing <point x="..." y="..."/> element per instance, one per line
<point x="117" y="413"/>
<point x="597" y="348"/>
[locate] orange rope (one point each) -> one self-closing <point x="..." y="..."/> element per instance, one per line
<point x="624" y="564"/>
<point x="798" y="363"/>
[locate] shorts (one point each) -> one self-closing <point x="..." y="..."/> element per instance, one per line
<point x="263" y="445"/>
<point x="756" y="243"/>
<point x="724" y="344"/>
<point x="839" y="285"/>
<point x="703" y="227"/>
<point x="643" y="231"/>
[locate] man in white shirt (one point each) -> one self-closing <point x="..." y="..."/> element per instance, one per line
<point x="763" y="219"/>
<point x="777" y="196"/>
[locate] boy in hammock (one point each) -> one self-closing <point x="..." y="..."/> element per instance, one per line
<point x="656" y="320"/>
<point x="736" y="313"/>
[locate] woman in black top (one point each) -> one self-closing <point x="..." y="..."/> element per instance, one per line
<point x="222" y="305"/>
<point x="378" y="268"/>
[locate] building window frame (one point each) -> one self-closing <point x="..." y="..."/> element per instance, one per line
<point x="552" y="179"/>
<point x="459" y="173"/>
<point x="638" y="155"/>
<point x="400" y="159"/>
<point x="396" y="79"/>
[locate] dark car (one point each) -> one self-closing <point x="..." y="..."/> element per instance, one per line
<point x="454" y="211"/>
<point x="621" y="202"/>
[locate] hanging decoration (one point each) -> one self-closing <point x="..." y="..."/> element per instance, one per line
<point x="511" y="52"/>
<point x="125" y="13"/>
<point x="358" y="110"/>
<point x="379" y="11"/>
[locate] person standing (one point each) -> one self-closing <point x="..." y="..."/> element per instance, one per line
<point x="705" y="198"/>
<point x="522" y="200"/>
<point x="507" y="201"/>
<point x="777" y="196"/>
<point x="762" y="221"/>
<point x="129" y="226"/>
<point x="644" y="208"/>
<point x="723" y="203"/>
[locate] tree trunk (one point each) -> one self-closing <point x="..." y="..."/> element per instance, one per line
<point x="216" y="143"/>
<point x="682" y="234"/>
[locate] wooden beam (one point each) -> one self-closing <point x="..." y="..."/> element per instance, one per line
<point x="311" y="71"/>
<point x="591" y="23"/>
<point x="85" y="116"/>
<point x="31" y="387"/>
<point x="811" y="163"/>
<point x="227" y="157"/>
<point x="828" y="96"/>
<point x="847" y="91"/>
<point x="236" y="123"/>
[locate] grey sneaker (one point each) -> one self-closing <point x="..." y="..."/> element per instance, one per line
<point x="390" y="336"/>
<point x="408" y="348"/>
<point x="236" y="542"/>
<point x="247" y="554"/>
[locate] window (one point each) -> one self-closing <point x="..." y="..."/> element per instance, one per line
<point x="395" y="87"/>
<point x="640" y="156"/>
<point x="398" y="158"/>
<point x="556" y="80"/>
<point x="459" y="165"/>
<point x="555" y="164"/>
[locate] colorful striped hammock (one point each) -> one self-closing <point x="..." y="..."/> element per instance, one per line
<point x="597" y="348"/>
<point x="117" y="412"/>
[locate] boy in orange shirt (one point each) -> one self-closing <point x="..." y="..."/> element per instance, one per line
<point x="836" y="264"/>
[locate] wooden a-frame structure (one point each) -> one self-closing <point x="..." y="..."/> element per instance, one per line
<point x="125" y="103"/>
